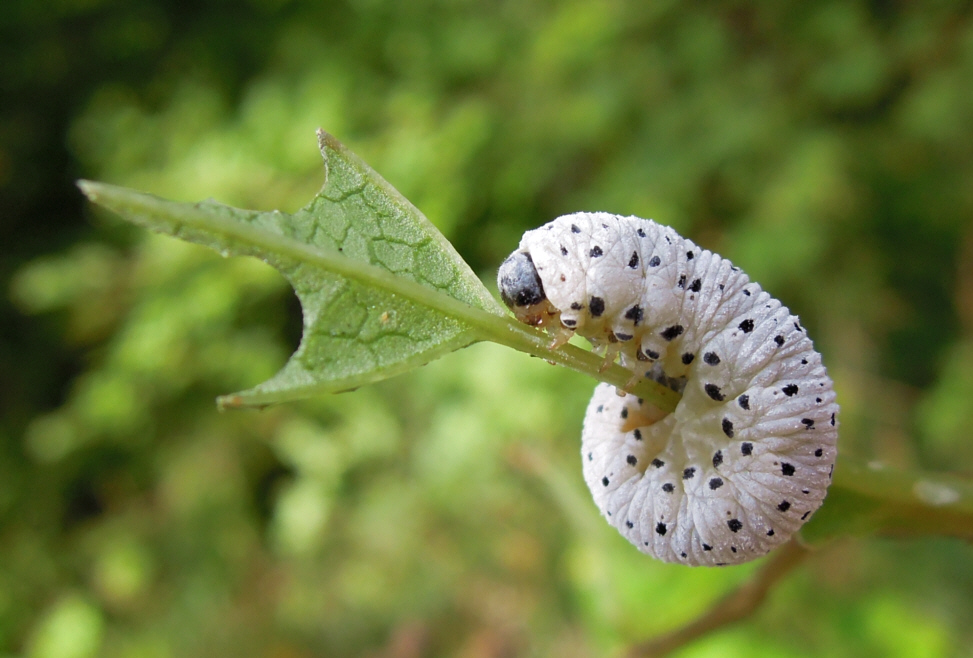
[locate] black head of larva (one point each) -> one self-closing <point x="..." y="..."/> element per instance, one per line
<point x="520" y="286"/>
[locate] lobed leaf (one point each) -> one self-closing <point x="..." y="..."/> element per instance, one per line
<point x="367" y="266"/>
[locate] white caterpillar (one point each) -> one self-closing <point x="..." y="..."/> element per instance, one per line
<point x="747" y="455"/>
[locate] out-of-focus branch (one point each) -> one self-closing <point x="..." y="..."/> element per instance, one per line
<point x="737" y="605"/>
<point x="876" y="499"/>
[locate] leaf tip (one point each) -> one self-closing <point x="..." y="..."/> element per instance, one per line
<point x="89" y="189"/>
<point x="237" y="401"/>
<point x="232" y="401"/>
<point x="326" y="141"/>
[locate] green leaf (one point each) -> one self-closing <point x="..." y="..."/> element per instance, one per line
<point x="382" y="290"/>
<point x="363" y="261"/>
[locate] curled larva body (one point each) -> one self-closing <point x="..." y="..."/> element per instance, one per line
<point x="747" y="455"/>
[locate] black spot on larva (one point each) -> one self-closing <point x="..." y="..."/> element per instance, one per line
<point x="652" y="354"/>
<point x="671" y="332"/>
<point x="634" y="314"/>
<point x="569" y="323"/>
<point x="605" y="481"/>
<point x="624" y="412"/>
<point x="633" y="262"/>
<point x="696" y="285"/>
<point x="632" y="460"/>
<point x="596" y="305"/>
<point x="668" y="487"/>
<point x="715" y="483"/>
<point x="661" y="528"/>
<point x="803" y="362"/>
<point x="637" y="434"/>
<point x="744" y="402"/>
<point x="787" y="469"/>
<point x="779" y="340"/>
<point x="683" y="554"/>
<point x="746" y="448"/>
<point x="629" y="524"/>
<point x="717" y="458"/>
<point x="805" y="491"/>
<point x="722" y="287"/>
<point x="728" y="427"/>
<point x="746" y="292"/>
<point x="564" y="252"/>
<point x="805" y="515"/>
<point x="734" y="525"/>
<point x="596" y="252"/>
<point x="689" y="255"/>
<point x="687" y="358"/>
<point x="770" y="533"/>
<point x="713" y="391"/>
<point x="808" y="423"/>
<point x="655" y="261"/>
<point x="733" y="548"/>
<point x="818" y="452"/>
<point x="784" y="506"/>
<point x="747" y="326"/>
<point x="600" y="408"/>
<point x="790" y="389"/>
<point x="658" y="463"/>
<point x="682" y="282"/>
<point x="832" y="420"/>
<point x="575" y="229"/>
<point x="711" y="358"/>
<point x="688" y="473"/>
<point x="591" y="457"/>
<point x="623" y="337"/>
<point x="576" y="306"/>
<point x="707" y="547"/>
<point x="818" y="400"/>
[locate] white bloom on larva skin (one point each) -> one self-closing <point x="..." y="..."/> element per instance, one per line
<point x="747" y="455"/>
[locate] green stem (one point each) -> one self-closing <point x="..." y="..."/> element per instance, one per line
<point x="872" y="498"/>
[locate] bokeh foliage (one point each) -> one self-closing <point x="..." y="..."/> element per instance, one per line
<point x="824" y="147"/>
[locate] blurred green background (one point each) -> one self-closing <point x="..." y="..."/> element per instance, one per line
<point x="825" y="147"/>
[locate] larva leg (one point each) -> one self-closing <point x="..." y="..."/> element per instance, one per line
<point x="611" y="353"/>
<point x="630" y="384"/>
<point x="559" y="336"/>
